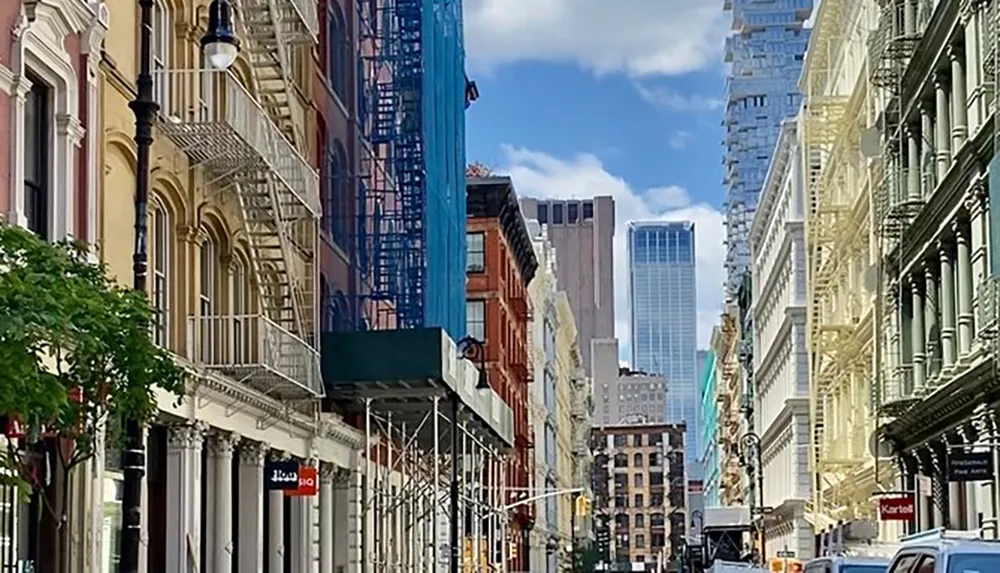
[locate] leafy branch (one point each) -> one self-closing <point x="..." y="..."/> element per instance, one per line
<point x="76" y="351"/>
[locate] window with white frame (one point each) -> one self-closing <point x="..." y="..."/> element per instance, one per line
<point x="37" y="148"/>
<point x="475" y="253"/>
<point x="206" y="296"/>
<point x="161" y="44"/>
<point x="475" y="316"/>
<point x="160" y="258"/>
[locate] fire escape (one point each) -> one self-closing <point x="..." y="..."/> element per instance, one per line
<point x="729" y="413"/>
<point x="243" y="134"/>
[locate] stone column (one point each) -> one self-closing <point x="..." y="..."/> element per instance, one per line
<point x="909" y="18"/>
<point x="221" y="446"/>
<point x="932" y="324"/>
<point x="913" y="190"/>
<point x="964" y="288"/>
<point x="183" y="527"/>
<point x="302" y="534"/>
<point x="326" y="505"/>
<point x="927" y="159"/>
<point x="276" y="528"/>
<point x="942" y="137"/>
<point x="979" y="224"/>
<point x="917" y="334"/>
<point x="251" y="499"/>
<point x="947" y="305"/>
<point x="959" y="101"/>
<point x="973" y="68"/>
<point x="893" y="389"/>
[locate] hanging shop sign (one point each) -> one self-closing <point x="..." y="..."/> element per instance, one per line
<point x="281" y="475"/>
<point x="308" y="482"/>
<point x="897" y="508"/>
<point x="963" y="466"/>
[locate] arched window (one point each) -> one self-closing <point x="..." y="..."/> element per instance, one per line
<point x="161" y="45"/>
<point x="336" y="50"/>
<point x="640" y="521"/>
<point x="159" y="259"/>
<point x="637" y="461"/>
<point x="338" y="194"/>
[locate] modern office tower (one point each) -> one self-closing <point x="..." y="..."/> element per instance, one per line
<point x="663" y="318"/>
<point x="765" y="51"/>
<point x="582" y="231"/>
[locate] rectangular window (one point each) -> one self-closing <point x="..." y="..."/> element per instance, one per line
<point x="557" y="214"/>
<point x="206" y="302"/>
<point x="572" y="213"/>
<point x="37" y="125"/>
<point x="160" y="45"/>
<point x="543" y="213"/>
<point x="160" y="257"/>
<point x="588" y="210"/>
<point x="475" y="312"/>
<point x="475" y="253"/>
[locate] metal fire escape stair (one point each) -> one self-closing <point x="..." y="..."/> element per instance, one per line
<point x="282" y="255"/>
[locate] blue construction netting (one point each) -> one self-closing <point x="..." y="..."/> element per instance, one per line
<point x="412" y="118"/>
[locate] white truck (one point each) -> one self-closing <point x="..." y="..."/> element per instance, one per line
<point x="734" y="567"/>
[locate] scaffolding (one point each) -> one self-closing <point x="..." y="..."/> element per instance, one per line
<point x="840" y="318"/>
<point x="410" y="227"/>
<point x="406" y="488"/>
<point x="243" y="133"/>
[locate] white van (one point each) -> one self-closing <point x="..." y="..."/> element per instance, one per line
<point x="847" y="565"/>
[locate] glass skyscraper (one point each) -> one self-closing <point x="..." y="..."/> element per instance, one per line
<point x="765" y="53"/>
<point x="664" y="320"/>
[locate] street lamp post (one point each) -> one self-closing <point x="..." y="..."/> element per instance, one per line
<point x="221" y="47"/>
<point x="572" y="533"/>
<point x="474" y="351"/>
<point x="751" y="441"/>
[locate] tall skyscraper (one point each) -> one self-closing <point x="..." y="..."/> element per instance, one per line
<point x="766" y="52"/>
<point x="582" y="231"/>
<point x="664" y="319"/>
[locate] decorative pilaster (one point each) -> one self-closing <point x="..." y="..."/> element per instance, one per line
<point x="221" y="447"/>
<point x="973" y="67"/>
<point x="326" y="528"/>
<point x="942" y="135"/>
<point x="976" y="204"/>
<point x="913" y="190"/>
<point x="963" y="295"/>
<point x="959" y="101"/>
<point x="928" y="161"/>
<point x="909" y="18"/>
<point x="947" y="304"/>
<point x="917" y="334"/>
<point x="932" y="325"/>
<point x="251" y="516"/>
<point x="183" y="522"/>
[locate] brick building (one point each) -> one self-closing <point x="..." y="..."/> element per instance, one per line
<point x="500" y="264"/>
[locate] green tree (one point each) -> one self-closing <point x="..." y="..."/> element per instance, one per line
<point x="76" y="359"/>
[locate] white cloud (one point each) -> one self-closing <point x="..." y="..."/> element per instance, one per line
<point x="639" y="37"/>
<point x="676" y="101"/>
<point x="538" y="174"/>
<point x="680" y="139"/>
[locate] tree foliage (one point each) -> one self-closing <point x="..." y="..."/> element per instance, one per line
<point x="76" y="351"/>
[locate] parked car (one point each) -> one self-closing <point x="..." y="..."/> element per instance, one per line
<point x="946" y="551"/>
<point x="841" y="564"/>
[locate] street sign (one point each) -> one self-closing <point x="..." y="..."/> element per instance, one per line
<point x="964" y="466"/>
<point x="898" y="508"/>
<point x="786" y="555"/>
<point x="281" y="475"/>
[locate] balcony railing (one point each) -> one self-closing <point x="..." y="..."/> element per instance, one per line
<point x="257" y="351"/>
<point x="222" y="128"/>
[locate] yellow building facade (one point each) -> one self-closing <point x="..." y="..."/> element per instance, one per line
<point x="233" y="223"/>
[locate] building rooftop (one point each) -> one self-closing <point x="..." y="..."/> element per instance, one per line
<point x="494" y="197"/>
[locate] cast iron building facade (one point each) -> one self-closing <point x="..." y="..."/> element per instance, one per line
<point x="582" y="231"/>
<point x="766" y="51"/>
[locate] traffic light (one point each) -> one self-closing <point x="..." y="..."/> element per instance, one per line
<point x="582" y="506"/>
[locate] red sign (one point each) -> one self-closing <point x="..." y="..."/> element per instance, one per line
<point x="896" y="508"/>
<point x="308" y="482"/>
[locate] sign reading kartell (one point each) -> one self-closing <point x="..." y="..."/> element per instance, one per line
<point x="897" y="508"/>
<point x="970" y="466"/>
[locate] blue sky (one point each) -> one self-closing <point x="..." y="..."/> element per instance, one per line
<point x="589" y="97"/>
